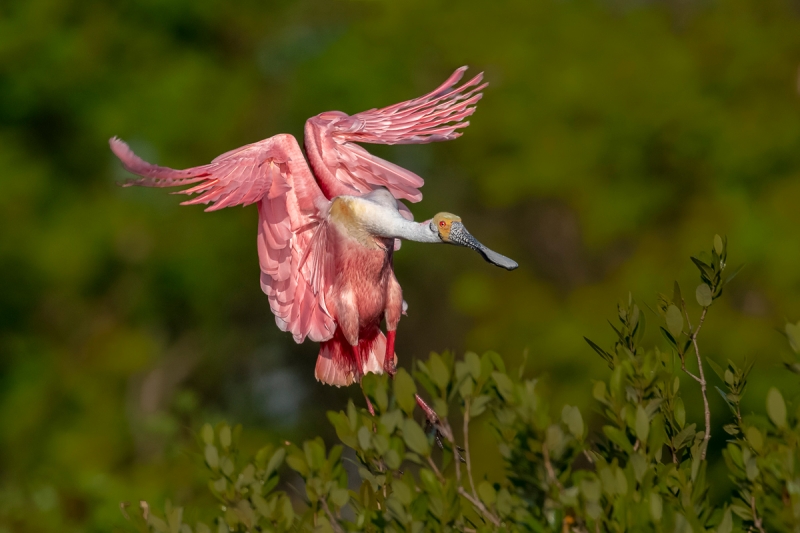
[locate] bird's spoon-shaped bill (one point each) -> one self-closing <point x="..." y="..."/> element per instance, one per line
<point x="460" y="236"/>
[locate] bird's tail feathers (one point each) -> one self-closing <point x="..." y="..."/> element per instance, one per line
<point x="336" y="362"/>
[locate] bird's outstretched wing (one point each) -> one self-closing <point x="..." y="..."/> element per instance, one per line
<point x="292" y="234"/>
<point x="343" y="167"/>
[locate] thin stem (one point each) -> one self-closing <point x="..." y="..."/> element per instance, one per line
<point x="548" y="466"/>
<point x="706" y="409"/>
<point x="757" y="521"/>
<point x="479" y="505"/>
<point x="436" y="470"/>
<point x="702" y="379"/>
<point x="466" y="447"/>
<point x="457" y="462"/>
<point x="332" y="519"/>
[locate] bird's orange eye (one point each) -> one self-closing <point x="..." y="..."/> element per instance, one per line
<point x="442" y="223"/>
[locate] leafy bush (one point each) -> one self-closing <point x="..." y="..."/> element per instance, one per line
<point x="640" y="467"/>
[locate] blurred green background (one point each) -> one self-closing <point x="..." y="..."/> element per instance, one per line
<point x="615" y="139"/>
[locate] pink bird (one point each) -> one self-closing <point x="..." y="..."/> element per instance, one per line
<point x="328" y="227"/>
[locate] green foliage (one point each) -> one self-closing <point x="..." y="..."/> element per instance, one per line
<point x="614" y="137"/>
<point x="638" y="466"/>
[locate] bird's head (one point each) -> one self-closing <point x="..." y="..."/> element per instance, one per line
<point x="450" y="230"/>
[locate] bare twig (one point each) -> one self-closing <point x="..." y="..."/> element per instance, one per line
<point x="702" y="379"/>
<point x="474" y="500"/>
<point x="757" y="521"/>
<point x="549" y="467"/>
<point x="457" y="461"/>
<point x="436" y="470"/>
<point x="466" y="447"/>
<point x="332" y="519"/>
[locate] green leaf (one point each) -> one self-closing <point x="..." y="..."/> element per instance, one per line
<point x="497" y="361"/>
<point x="776" y="407"/>
<point x="656" y="507"/>
<point x="275" y="461"/>
<point x="601" y="352"/>
<point x="487" y="493"/>
<point x="639" y="464"/>
<point x="364" y="437"/>
<point x="718" y="244"/>
<point x="642" y="424"/>
<point x="504" y="385"/>
<point x="704" y="268"/>
<point x="297" y="462"/>
<point x="726" y="526"/>
<point x="415" y="438"/>
<point x="225" y="436"/>
<point x="404" y="391"/>
<point x="703" y="294"/>
<point x="599" y="391"/>
<point x="439" y="372"/>
<point x="680" y="412"/>
<point x="474" y="364"/>
<point x="674" y="320"/>
<point x="590" y="488"/>
<point x="684" y="436"/>
<point x="755" y="438"/>
<point x="212" y="456"/>
<point x="315" y="453"/>
<point x="226" y="465"/>
<point x="677" y="297"/>
<point x="716" y="368"/>
<point x="574" y="421"/>
<point x="288" y="511"/>
<point x="669" y="337"/>
<point x="479" y="404"/>
<point x="207" y="432"/>
<point x="340" y="497"/>
<point x="618" y="437"/>
<point x="793" y="333"/>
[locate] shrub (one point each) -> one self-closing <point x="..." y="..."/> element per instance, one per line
<point x="643" y="468"/>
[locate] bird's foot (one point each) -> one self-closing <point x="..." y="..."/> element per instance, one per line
<point x="389" y="366"/>
<point x="442" y="428"/>
<point x="369" y="405"/>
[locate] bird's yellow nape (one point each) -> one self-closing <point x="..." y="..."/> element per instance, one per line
<point x="443" y="223"/>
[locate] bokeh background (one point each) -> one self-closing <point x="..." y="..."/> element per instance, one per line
<point x="615" y="139"/>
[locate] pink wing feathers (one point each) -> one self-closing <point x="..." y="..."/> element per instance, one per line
<point x="293" y="247"/>
<point x="292" y="238"/>
<point x="343" y="168"/>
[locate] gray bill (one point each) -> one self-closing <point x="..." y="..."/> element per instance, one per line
<point x="459" y="235"/>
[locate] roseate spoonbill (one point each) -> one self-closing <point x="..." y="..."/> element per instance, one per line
<point x="327" y="232"/>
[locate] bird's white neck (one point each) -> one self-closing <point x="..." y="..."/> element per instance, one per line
<point x="379" y="219"/>
<point x="400" y="228"/>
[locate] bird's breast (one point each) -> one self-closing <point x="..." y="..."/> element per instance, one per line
<point x="363" y="271"/>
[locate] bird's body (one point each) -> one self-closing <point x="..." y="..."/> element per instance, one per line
<point x="364" y="290"/>
<point x="328" y="228"/>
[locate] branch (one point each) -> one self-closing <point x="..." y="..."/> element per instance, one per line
<point x="757" y="521"/>
<point x="549" y="467"/>
<point x="332" y="519"/>
<point x="479" y="505"/>
<point x="436" y="470"/>
<point x="466" y="447"/>
<point x="702" y="379"/>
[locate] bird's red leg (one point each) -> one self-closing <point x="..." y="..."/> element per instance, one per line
<point x="430" y="414"/>
<point x="394" y="308"/>
<point x="389" y="365"/>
